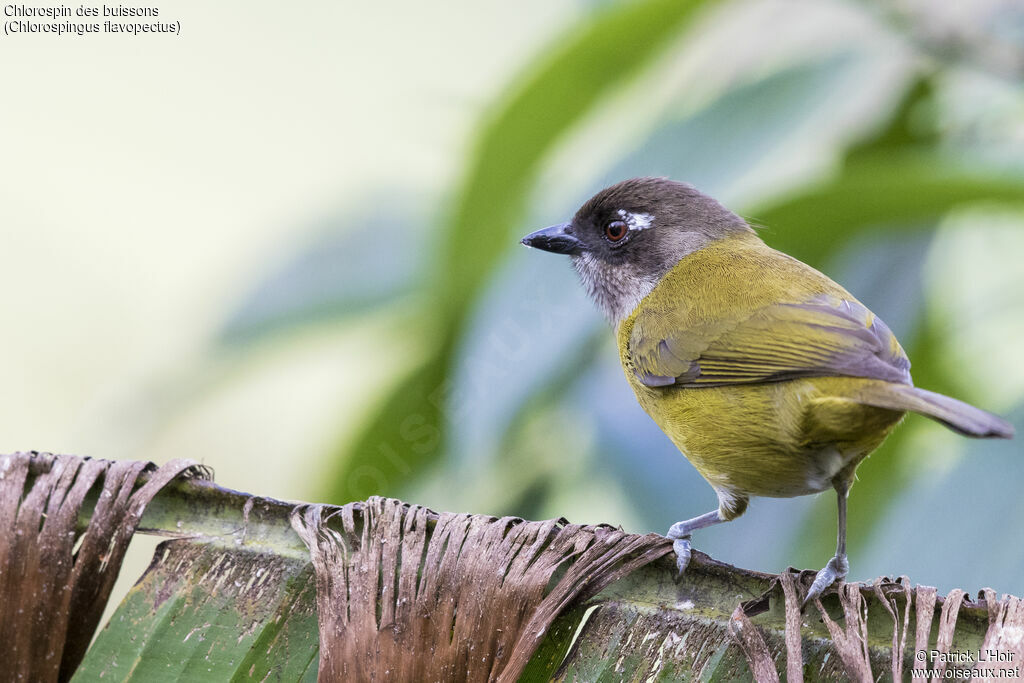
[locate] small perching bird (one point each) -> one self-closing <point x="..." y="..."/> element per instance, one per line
<point x="770" y="378"/>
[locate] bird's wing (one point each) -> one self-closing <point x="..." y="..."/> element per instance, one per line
<point x="825" y="336"/>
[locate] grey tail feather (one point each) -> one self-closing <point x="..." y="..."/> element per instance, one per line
<point x="959" y="416"/>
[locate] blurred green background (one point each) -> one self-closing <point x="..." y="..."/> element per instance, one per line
<point x="285" y="244"/>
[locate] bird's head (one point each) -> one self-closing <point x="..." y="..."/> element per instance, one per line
<point x="625" y="238"/>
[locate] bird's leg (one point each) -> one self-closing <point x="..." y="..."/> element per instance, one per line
<point x="730" y="507"/>
<point x="838" y="566"/>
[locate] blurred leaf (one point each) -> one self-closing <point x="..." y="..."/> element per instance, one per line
<point x="562" y="87"/>
<point x="893" y="190"/>
<point x="982" y="35"/>
<point x="358" y="260"/>
<point x="400" y="440"/>
<point x="886" y="270"/>
<point x="529" y="324"/>
<point x="526" y="465"/>
<point x="921" y="523"/>
<point x="749" y="131"/>
<point x="911" y="125"/>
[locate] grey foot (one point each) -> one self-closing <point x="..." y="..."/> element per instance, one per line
<point x="834" y="571"/>
<point x="683" y="552"/>
<point x="680" y="533"/>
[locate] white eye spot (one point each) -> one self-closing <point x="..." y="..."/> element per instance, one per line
<point x="636" y="221"/>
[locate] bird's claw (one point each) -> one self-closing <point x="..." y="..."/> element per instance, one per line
<point x="683" y="553"/>
<point x="834" y="571"/>
<point x="680" y="534"/>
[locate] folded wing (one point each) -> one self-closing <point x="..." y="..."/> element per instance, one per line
<point x="825" y="336"/>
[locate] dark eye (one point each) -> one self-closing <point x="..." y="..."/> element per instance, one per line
<point x="615" y="231"/>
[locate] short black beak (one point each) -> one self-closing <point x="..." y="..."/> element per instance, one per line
<point x="556" y="239"/>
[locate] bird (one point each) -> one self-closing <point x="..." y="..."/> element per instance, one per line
<point x="768" y="376"/>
